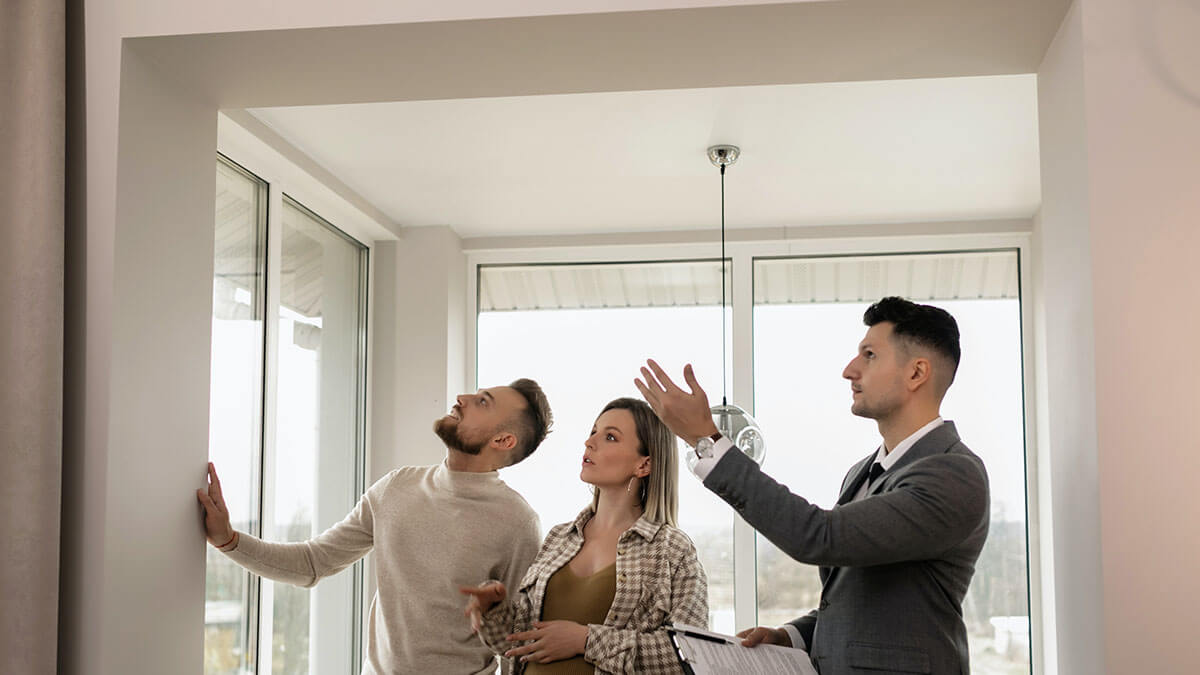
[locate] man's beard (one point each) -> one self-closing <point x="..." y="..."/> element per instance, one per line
<point x="447" y="430"/>
<point x="874" y="410"/>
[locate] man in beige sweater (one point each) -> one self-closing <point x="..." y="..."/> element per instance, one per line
<point x="435" y="527"/>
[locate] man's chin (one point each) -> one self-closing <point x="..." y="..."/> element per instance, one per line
<point x="443" y="424"/>
<point x="448" y="433"/>
<point x="445" y="429"/>
<point x="861" y="411"/>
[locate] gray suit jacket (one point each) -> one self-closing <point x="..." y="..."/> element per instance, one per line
<point x="895" y="565"/>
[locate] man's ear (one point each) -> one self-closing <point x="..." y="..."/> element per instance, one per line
<point x="920" y="372"/>
<point x="505" y="440"/>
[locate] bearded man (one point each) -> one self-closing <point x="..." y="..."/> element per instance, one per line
<point x="436" y="528"/>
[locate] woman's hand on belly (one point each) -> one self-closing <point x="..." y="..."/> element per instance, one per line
<point x="552" y="641"/>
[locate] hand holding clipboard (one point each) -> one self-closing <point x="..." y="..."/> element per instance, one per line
<point x="703" y="652"/>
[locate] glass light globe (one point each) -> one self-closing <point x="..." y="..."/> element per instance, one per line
<point x="736" y="424"/>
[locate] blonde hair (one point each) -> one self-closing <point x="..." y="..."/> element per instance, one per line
<point x="659" y="491"/>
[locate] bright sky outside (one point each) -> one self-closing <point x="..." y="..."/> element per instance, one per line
<point x="237" y="349"/>
<point x="583" y="358"/>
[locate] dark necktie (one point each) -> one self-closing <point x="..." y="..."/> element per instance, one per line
<point x="876" y="472"/>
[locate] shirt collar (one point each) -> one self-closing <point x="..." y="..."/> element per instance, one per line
<point x="646" y="528"/>
<point x="889" y="459"/>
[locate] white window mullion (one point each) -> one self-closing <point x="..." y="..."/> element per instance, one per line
<point x="235" y="432"/>
<point x="362" y="588"/>
<point x="1040" y="539"/>
<point x="745" y="576"/>
<point x="270" y="403"/>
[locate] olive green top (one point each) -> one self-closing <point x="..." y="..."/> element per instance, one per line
<point x="659" y="581"/>
<point x="584" y="600"/>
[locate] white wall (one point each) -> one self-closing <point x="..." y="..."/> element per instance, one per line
<point x="147" y="429"/>
<point x="1119" y="101"/>
<point x="419" y="338"/>
<point x="1142" y="93"/>
<point x="1065" y="357"/>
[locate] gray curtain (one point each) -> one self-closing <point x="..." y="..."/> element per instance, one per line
<point x="32" y="170"/>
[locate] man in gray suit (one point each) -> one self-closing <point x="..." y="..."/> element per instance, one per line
<point x="897" y="552"/>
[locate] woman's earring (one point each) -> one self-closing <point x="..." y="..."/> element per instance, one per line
<point x="629" y="486"/>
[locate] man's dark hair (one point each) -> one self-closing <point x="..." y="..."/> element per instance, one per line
<point x="533" y="422"/>
<point x="924" y="325"/>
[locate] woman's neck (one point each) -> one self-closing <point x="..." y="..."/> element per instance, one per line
<point x="616" y="508"/>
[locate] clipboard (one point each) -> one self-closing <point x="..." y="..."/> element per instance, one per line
<point x="678" y="634"/>
<point x="703" y="652"/>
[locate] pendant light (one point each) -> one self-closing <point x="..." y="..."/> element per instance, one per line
<point x="733" y="422"/>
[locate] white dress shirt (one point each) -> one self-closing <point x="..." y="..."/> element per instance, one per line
<point x="888" y="459"/>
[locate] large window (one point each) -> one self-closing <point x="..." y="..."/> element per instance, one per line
<point x="583" y="330"/>
<point x="288" y="378"/>
<point x="807" y="325"/>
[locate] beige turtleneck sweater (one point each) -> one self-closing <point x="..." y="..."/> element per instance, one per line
<point x="433" y="530"/>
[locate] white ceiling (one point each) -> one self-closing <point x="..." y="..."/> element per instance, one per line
<point x="848" y="112"/>
<point x="825" y="153"/>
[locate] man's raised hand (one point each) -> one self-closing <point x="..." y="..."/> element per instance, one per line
<point x="686" y="414"/>
<point x="216" y="515"/>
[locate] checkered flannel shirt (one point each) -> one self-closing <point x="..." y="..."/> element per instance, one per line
<point x="659" y="580"/>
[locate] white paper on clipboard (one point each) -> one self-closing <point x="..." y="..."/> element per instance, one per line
<point x="711" y="653"/>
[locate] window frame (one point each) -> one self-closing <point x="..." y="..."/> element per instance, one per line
<point x="262" y="304"/>
<point x="285" y="180"/>
<point x="806" y="242"/>
<point x="281" y="197"/>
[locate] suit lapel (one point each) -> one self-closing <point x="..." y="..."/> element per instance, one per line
<point x="859" y="473"/>
<point x="933" y="443"/>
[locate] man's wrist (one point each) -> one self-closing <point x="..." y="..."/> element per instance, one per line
<point x="232" y="539"/>
<point x="794" y="636"/>
<point x="705" y="464"/>
<point x="704" y="446"/>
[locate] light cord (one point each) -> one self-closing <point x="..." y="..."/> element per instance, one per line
<point x="724" y="384"/>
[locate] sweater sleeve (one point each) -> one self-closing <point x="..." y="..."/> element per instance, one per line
<point x="624" y="650"/>
<point x="307" y="562"/>
<point x="527" y="540"/>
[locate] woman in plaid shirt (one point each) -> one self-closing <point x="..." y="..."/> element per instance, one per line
<point x="602" y="588"/>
